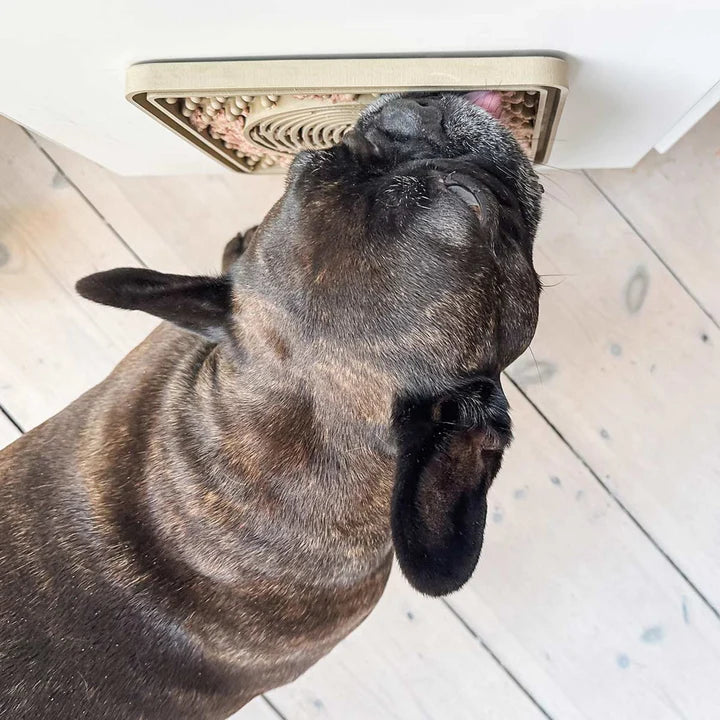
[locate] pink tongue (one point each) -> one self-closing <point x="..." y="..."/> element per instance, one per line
<point x="487" y="100"/>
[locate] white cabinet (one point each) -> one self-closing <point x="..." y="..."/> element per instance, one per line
<point x="640" y="72"/>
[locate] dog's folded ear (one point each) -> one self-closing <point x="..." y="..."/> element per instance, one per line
<point x="196" y="303"/>
<point x="449" y="451"/>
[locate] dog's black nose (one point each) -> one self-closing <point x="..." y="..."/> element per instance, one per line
<point x="409" y="118"/>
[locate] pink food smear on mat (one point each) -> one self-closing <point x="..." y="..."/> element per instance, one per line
<point x="230" y="129"/>
<point x="334" y="98"/>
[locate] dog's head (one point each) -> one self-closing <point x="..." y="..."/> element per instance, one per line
<point x="407" y="248"/>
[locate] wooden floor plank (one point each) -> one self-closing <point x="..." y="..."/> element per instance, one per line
<point x="410" y="660"/>
<point x="626" y="368"/>
<point x="674" y="202"/>
<point x="55" y="345"/>
<point x="577" y="602"/>
<point x="8" y="432"/>
<point x="258" y="709"/>
<point x="175" y="224"/>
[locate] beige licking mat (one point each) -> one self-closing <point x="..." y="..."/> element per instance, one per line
<point x="255" y="115"/>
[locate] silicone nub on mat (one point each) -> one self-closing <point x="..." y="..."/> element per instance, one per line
<point x="254" y="116"/>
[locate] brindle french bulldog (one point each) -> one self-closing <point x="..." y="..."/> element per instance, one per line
<point x="215" y="516"/>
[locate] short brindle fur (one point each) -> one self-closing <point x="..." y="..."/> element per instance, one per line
<point x="216" y="515"/>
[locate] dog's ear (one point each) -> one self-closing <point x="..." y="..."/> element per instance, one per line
<point x="196" y="303"/>
<point x="449" y="451"/>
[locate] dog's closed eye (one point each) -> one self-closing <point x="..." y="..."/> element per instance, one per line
<point x="463" y="193"/>
<point x="465" y="189"/>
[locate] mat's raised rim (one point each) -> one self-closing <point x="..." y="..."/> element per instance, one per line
<point x="146" y="81"/>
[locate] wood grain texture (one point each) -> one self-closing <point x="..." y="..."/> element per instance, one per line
<point x="577" y="602"/>
<point x="258" y="709"/>
<point x="174" y="224"/>
<point x="674" y="202"/>
<point x="54" y="345"/>
<point x="8" y="432"/>
<point x="627" y="371"/>
<point x="410" y="660"/>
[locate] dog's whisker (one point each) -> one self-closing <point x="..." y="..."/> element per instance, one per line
<point x="555" y="184"/>
<point x="545" y="166"/>
<point x="563" y="277"/>
<point x="546" y="286"/>
<point x="537" y="367"/>
<point x="560" y="202"/>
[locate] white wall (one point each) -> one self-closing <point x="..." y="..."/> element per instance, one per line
<point x="636" y="67"/>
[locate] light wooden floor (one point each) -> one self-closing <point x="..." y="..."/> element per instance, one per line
<point x="598" y="592"/>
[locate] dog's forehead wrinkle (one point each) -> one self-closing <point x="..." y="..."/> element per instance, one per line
<point x="380" y="263"/>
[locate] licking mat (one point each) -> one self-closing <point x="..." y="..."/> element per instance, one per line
<point x="254" y="116"/>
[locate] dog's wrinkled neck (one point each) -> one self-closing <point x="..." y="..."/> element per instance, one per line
<point x="289" y="448"/>
<point x="345" y="388"/>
